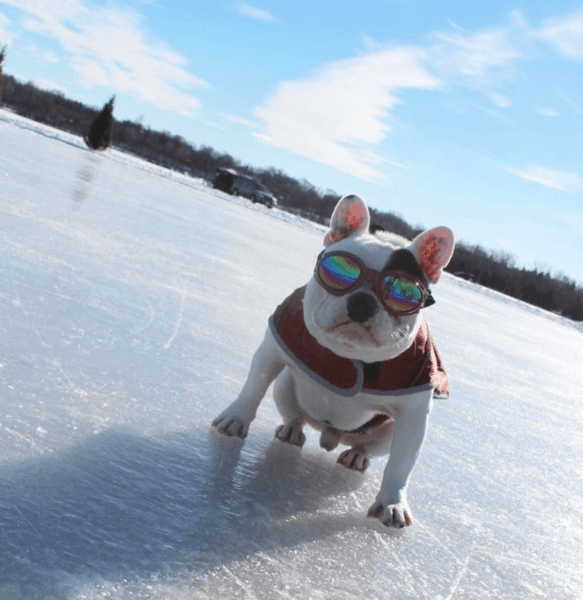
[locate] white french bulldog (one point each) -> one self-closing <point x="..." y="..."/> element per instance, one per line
<point x="351" y="354"/>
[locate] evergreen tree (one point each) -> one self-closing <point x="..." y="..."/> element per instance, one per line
<point x="99" y="135"/>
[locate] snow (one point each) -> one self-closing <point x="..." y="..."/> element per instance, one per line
<point x="132" y="299"/>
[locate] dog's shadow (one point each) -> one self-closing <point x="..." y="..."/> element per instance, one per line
<point x="121" y="505"/>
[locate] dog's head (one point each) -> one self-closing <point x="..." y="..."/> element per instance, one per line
<point x="357" y="324"/>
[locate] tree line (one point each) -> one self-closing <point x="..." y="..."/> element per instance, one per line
<point x="494" y="269"/>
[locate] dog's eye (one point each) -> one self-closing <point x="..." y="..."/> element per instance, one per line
<point x="338" y="272"/>
<point x="401" y="294"/>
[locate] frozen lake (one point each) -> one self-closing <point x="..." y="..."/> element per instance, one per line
<point x="132" y="299"/>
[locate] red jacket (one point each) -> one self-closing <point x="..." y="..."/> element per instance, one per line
<point x="417" y="367"/>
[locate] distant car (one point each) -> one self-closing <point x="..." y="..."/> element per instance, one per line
<point x="237" y="184"/>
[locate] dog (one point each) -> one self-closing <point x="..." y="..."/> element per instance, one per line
<point x="351" y="355"/>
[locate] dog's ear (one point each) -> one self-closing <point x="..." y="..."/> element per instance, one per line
<point x="349" y="218"/>
<point x="433" y="250"/>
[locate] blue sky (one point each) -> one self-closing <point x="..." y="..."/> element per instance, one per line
<point x="463" y="114"/>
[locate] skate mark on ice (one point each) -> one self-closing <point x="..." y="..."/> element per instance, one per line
<point x="150" y="317"/>
<point x="169" y="342"/>
<point x="461" y="575"/>
<point x="248" y="591"/>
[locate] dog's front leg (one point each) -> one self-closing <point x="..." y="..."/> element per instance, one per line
<point x="411" y="418"/>
<point x="266" y="365"/>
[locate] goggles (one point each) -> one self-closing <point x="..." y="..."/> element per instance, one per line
<point x="400" y="293"/>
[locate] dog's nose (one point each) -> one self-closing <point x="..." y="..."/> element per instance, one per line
<point x="362" y="307"/>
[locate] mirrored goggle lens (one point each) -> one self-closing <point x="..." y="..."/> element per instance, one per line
<point x="401" y="294"/>
<point x="338" y="272"/>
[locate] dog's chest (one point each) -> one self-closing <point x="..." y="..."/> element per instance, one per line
<point x="322" y="404"/>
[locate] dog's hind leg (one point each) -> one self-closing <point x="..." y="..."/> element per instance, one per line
<point x="355" y="458"/>
<point x="363" y="445"/>
<point x="284" y="394"/>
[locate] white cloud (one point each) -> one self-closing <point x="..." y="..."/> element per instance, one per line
<point x="255" y="13"/>
<point x="476" y="60"/>
<point x="373" y="158"/>
<point x="570" y="102"/>
<point x="216" y="126"/>
<point x="546" y="111"/>
<point x="332" y="115"/>
<point x="454" y="25"/>
<point x="237" y="120"/>
<point x="345" y="102"/>
<point x="50" y="57"/>
<point x="564" y="182"/>
<point x="110" y="48"/>
<point x="564" y="34"/>
<point x="491" y="112"/>
<point x="500" y="100"/>
<point x="5" y="37"/>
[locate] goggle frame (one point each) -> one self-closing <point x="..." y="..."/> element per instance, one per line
<point x="375" y="279"/>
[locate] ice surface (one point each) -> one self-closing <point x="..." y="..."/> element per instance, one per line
<point x="132" y="299"/>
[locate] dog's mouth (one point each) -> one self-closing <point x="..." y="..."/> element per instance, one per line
<point x="354" y="332"/>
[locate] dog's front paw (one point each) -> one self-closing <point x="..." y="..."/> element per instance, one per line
<point x="391" y="515"/>
<point x="355" y="459"/>
<point x="291" y="434"/>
